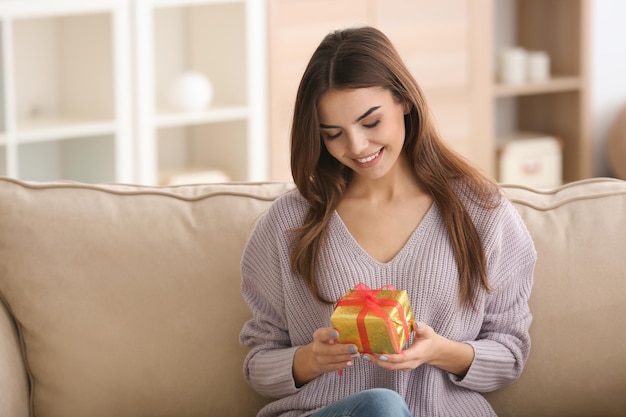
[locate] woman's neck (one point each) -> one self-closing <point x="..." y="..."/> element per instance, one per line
<point x="399" y="183"/>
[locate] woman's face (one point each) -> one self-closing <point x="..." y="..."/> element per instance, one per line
<point x="363" y="128"/>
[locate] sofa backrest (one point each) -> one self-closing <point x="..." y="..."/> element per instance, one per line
<point x="577" y="364"/>
<point x="125" y="300"/>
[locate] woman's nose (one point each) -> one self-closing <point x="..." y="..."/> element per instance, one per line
<point x="357" y="142"/>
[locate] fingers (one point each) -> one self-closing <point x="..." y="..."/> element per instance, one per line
<point x="325" y="335"/>
<point x="330" y="355"/>
<point x="410" y="358"/>
<point x="333" y="356"/>
<point x="421" y="329"/>
<point x="392" y="362"/>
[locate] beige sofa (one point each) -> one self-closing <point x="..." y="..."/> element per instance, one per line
<point x="123" y="301"/>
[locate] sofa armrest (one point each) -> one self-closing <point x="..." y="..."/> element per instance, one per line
<point x="14" y="387"/>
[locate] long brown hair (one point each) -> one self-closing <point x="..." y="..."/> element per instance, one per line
<point x="361" y="58"/>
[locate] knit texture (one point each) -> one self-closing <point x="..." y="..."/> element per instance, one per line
<point x="285" y="315"/>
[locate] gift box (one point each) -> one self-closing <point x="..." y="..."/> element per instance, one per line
<point x="375" y="320"/>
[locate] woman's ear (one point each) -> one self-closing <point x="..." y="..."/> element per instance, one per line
<point x="407" y="107"/>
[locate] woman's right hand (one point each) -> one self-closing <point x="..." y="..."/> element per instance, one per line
<point x="323" y="354"/>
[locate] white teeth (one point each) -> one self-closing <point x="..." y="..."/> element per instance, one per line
<point x="369" y="158"/>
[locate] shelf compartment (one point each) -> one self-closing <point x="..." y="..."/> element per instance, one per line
<point x="206" y="147"/>
<point x="553" y="114"/>
<point x="86" y="159"/>
<point x="558" y="115"/>
<point x="553" y="26"/>
<point x="181" y="34"/>
<point x="56" y="65"/>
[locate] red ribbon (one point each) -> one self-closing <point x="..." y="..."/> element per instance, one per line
<point x="367" y="298"/>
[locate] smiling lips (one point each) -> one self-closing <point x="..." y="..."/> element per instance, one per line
<point x="364" y="161"/>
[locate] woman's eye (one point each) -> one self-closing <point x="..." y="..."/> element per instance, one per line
<point x="372" y="125"/>
<point x="331" y="137"/>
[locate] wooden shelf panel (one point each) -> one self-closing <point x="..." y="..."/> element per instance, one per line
<point x="553" y="85"/>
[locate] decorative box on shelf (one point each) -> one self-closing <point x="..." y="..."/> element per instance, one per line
<point x="530" y="159"/>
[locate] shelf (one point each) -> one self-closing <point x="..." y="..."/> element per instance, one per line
<point x="556" y="84"/>
<point x="51" y="129"/>
<point x="178" y="118"/>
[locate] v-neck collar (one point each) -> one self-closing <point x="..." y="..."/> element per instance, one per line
<point x="349" y="239"/>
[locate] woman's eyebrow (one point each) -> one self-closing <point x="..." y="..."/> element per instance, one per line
<point x="367" y="113"/>
<point x="358" y="119"/>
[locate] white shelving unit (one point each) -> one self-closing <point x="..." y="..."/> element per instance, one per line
<point x="84" y="89"/>
<point x="223" y="40"/>
<point x="65" y="107"/>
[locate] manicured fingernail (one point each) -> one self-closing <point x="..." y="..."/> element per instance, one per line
<point x="334" y="334"/>
<point x="367" y="358"/>
<point x="383" y="358"/>
<point x="355" y="355"/>
<point x="419" y="326"/>
<point x="352" y="349"/>
<point x="349" y="363"/>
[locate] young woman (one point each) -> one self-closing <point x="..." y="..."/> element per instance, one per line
<point x="381" y="200"/>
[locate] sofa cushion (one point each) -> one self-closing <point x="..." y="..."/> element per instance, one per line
<point x="577" y="364"/>
<point x="127" y="298"/>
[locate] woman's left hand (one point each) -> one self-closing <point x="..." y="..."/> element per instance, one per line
<point x="428" y="348"/>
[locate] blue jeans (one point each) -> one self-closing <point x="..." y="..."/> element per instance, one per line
<point x="376" y="402"/>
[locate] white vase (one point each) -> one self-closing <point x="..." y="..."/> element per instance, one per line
<point x="538" y="66"/>
<point x="512" y="65"/>
<point x="191" y="91"/>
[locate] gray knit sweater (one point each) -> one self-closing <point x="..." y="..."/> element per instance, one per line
<point x="285" y="315"/>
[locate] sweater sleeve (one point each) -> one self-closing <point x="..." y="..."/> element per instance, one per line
<point x="268" y="365"/>
<point x="503" y="345"/>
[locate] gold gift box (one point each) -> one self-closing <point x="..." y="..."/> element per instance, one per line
<point x="376" y="321"/>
